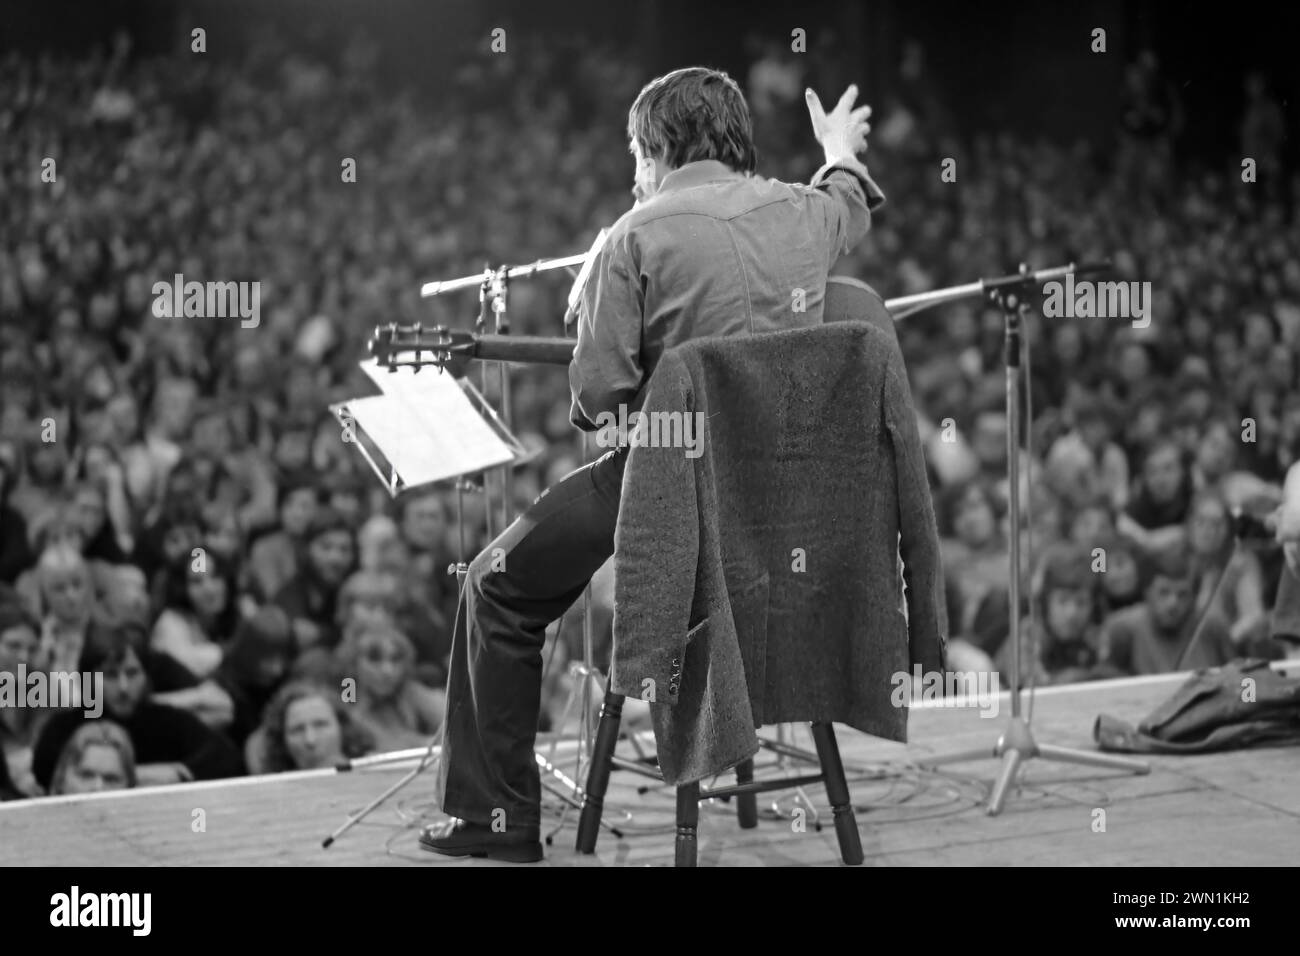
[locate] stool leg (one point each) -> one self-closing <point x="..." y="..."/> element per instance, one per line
<point x="593" y="797"/>
<point x="688" y="819"/>
<point x="746" y="803"/>
<point x="837" y="788"/>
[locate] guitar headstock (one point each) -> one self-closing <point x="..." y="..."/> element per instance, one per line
<point x="417" y="346"/>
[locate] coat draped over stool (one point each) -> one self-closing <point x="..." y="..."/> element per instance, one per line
<point x="757" y="565"/>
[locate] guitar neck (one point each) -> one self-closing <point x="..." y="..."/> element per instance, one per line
<point x="540" y="350"/>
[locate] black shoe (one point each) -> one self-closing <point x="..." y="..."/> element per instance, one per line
<point x="456" y="837"/>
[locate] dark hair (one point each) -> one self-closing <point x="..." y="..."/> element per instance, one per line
<point x="408" y="498"/>
<point x="694" y="114"/>
<point x="107" y="646"/>
<point x="325" y="520"/>
<point x="176" y="595"/>
<point x="355" y="740"/>
<point x="1171" y="563"/>
<point x="1066" y="567"/>
<point x="1099" y="410"/>
<point x="953" y="499"/>
<point x="296" y="481"/>
<point x="267" y="634"/>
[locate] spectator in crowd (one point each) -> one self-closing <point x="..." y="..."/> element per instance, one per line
<point x="102" y="505"/>
<point x="97" y="757"/>
<point x="199" y="614"/>
<point x="172" y="746"/>
<point x="254" y="668"/>
<point x="383" y="597"/>
<point x="422" y="519"/>
<point x="1086" y="465"/>
<point x="15" y="551"/>
<point x="1154" y="519"/>
<point x="975" y="563"/>
<point x="19" y="726"/>
<point x="1121" y="575"/>
<point x="310" y="597"/>
<point x="1066" y="632"/>
<point x="273" y="559"/>
<point x="306" y="727"/>
<point x="1091" y="523"/>
<point x="1155" y="637"/>
<point x="1229" y="580"/>
<point x="380" y="546"/>
<point x="170" y="682"/>
<point x="68" y="599"/>
<point x="171" y="538"/>
<point x="1217" y="455"/>
<point x="395" y="708"/>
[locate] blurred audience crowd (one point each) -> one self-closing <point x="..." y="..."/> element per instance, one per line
<point x="179" y="510"/>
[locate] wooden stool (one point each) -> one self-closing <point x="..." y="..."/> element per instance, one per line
<point x="689" y="795"/>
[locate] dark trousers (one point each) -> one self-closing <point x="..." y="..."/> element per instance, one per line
<point x="525" y="579"/>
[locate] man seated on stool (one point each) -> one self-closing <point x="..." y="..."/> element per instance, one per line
<point x="710" y="249"/>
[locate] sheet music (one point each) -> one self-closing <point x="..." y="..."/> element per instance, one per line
<point x="426" y="426"/>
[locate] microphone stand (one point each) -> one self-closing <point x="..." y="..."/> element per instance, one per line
<point x="1017" y="744"/>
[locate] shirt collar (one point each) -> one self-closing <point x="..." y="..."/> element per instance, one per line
<point x="697" y="174"/>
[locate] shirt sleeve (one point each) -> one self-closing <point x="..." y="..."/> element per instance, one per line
<point x="606" y="369"/>
<point x="844" y="197"/>
<point x="172" y="636"/>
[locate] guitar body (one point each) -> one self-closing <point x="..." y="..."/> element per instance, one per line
<point x="852" y="300"/>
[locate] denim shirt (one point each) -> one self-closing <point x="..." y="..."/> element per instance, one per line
<point x="713" y="253"/>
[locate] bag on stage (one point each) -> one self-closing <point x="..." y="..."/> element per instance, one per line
<point x="1245" y="703"/>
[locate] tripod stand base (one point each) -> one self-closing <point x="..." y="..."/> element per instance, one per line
<point x="1017" y="745"/>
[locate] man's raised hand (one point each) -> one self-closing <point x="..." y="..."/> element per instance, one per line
<point x="843" y="131"/>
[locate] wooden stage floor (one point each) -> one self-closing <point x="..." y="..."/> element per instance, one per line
<point x="1240" y="808"/>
